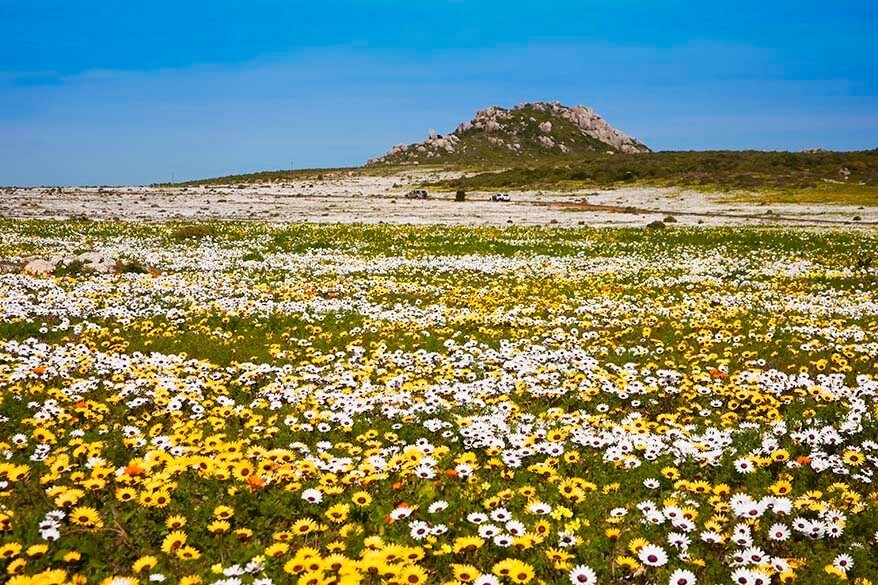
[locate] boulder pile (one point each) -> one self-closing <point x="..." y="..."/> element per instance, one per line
<point x="85" y="262"/>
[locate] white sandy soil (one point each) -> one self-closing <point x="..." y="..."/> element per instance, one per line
<point x="371" y="199"/>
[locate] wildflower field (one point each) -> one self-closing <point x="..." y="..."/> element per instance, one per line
<point x="257" y="404"/>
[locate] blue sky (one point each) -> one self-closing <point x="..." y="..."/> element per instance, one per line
<point x="123" y="92"/>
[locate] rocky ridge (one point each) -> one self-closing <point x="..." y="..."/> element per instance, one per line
<point x="526" y="131"/>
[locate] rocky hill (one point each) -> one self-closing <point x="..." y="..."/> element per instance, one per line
<point x="526" y="133"/>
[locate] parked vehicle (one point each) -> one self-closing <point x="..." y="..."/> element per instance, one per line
<point x="500" y="197"/>
<point x="416" y="194"/>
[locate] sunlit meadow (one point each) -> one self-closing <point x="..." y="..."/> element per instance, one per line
<point x="258" y="404"/>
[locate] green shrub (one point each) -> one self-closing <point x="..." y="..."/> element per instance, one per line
<point x="72" y="268"/>
<point x="724" y="170"/>
<point x="193" y="232"/>
<point x="130" y="266"/>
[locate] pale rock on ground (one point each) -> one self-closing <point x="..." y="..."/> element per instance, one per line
<point x="39" y="266"/>
<point x="91" y="261"/>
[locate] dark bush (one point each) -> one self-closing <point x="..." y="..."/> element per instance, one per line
<point x="864" y="260"/>
<point x="130" y="266"/>
<point x="71" y="268"/>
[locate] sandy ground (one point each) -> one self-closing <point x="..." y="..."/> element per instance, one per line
<point x="370" y="199"/>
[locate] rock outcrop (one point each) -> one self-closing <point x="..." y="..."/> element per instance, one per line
<point x="86" y="262"/>
<point x="529" y="131"/>
<point x="39" y="266"/>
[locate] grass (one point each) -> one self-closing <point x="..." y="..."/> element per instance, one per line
<point x="318" y="174"/>
<point x="850" y="177"/>
<point x="834" y="193"/>
<point x="315" y="175"/>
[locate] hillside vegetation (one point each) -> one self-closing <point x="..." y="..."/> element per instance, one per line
<point x="265" y="177"/>
<point x="855" y="173"/>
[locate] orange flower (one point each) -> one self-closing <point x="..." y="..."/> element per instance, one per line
<point x="39" y="370"/>
<point x="133" y="470"/>
<point x="255" y="482"/>
<point x="452" y="473"/>
<point x="803" y="460"/>
<point x="398" y="485"/>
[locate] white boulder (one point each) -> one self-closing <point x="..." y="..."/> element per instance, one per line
<point x="39" y="266"/>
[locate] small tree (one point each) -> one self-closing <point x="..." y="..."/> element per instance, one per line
<point x="460" y="196"/>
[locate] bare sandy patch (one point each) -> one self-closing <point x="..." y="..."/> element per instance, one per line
<point x="377" y="199"/>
